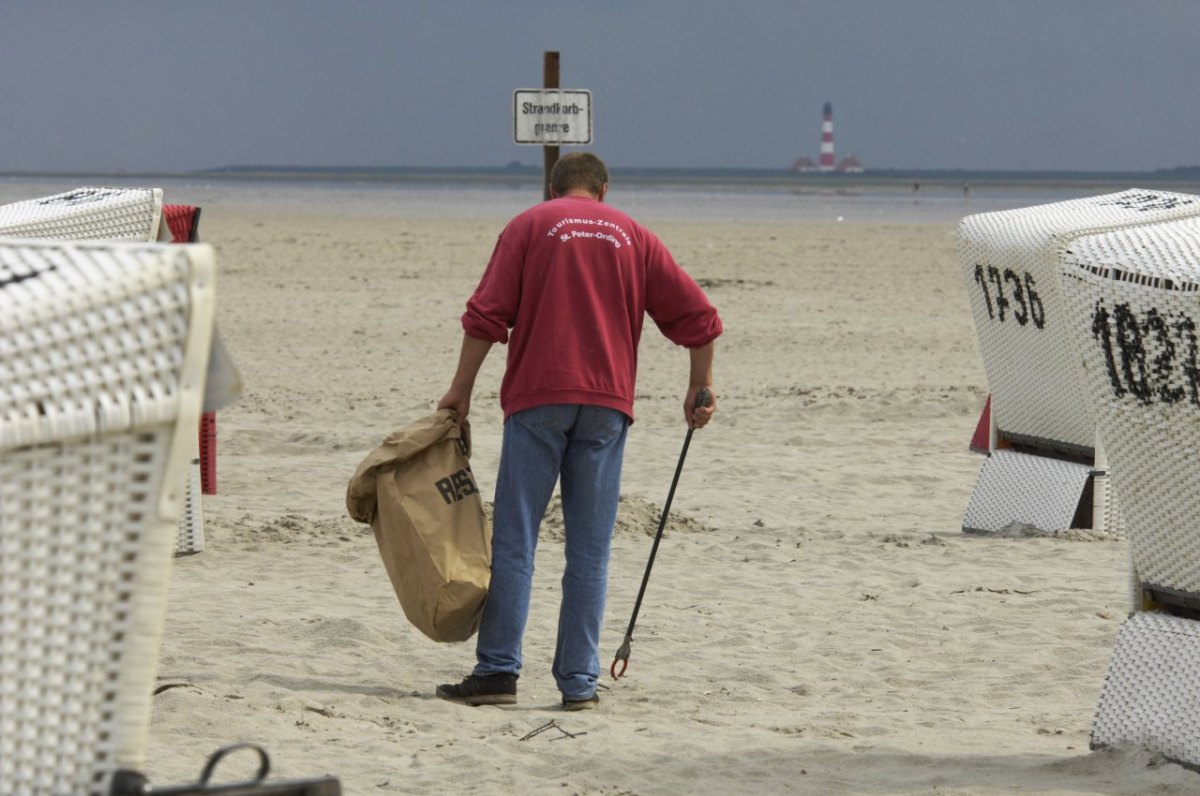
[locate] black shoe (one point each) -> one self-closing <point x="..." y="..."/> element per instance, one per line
<point x="581" y="704"/>
<point x="482" y="689"/>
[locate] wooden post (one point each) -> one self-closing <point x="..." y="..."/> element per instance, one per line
<point x="549" y="153"/>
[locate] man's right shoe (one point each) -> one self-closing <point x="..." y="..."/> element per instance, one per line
<point x="482" y="689"/>
<point x="587" y="703"/>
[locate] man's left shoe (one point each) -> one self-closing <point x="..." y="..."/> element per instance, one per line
<point x="482" y="689"/>
<point x="588" y="703"/>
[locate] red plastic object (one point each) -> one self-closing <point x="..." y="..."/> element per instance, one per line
<point x="208" y="453"/>
<point x="183" y="221"/>
<point x="980" y="441"/>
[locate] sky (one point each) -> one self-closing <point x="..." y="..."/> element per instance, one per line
<point x="123" y="86"/>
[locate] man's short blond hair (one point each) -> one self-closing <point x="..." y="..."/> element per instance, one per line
<point x="578" y="170"/>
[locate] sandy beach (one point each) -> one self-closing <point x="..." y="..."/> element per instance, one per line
<point x="816" y="621"/>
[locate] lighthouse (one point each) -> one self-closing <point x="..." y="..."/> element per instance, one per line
<point x="827" y="160"/>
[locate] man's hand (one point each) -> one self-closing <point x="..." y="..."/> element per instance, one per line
<point x="698" y="416"/>
<point x="459" y="400"/>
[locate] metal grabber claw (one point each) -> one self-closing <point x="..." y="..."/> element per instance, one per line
<point x="703" y="398"/>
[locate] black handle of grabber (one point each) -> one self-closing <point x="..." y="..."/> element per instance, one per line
<point x="703" y="398"/>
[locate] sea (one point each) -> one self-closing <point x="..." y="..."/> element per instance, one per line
<point x="650" y="195"/>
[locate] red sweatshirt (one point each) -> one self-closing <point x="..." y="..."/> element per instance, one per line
<point x="567" y="288"/>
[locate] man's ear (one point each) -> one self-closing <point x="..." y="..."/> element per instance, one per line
<point x="603" y="192"/>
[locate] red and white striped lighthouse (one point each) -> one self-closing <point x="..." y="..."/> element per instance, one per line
<point x="827" y="160"/>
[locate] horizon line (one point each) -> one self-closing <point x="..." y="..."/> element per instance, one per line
<point x="515" y="168"/>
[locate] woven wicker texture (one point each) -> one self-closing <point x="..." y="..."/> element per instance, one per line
<point x="190" y="536"/>
<point x="131" y="214"/>
<point x="1010" y="261"/>
<point x="1049" y="491"/>
<point x="103" y="350"/>
<point x="107" y="214"/>
<point x="1149" y="697"/>
<point x="1134" y="299"/>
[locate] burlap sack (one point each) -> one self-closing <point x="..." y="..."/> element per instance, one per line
<point x="417" y="492"/>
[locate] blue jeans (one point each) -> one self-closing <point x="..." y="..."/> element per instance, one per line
<point x="585" y="445"/>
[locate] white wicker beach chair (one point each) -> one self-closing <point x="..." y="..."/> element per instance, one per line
<point x="103" y="355"/>
<point x="103" y="351"/>
<point x="1133" y="298"/>
<point x="97" y="213"/>
<point x="1043" y="450"/>
<point x="87" y="213"/>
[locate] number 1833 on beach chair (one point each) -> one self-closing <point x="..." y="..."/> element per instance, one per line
<point x="1133" y="295"/>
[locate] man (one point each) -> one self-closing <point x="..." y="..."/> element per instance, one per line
<point x="567" y="288"/>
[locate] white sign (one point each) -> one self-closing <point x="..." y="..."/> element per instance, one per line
<point x="552" y="116"/>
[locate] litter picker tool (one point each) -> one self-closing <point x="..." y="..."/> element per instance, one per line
<point x="703" y="398"/>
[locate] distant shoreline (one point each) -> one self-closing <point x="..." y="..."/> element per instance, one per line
<point x="517" y="175"/>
